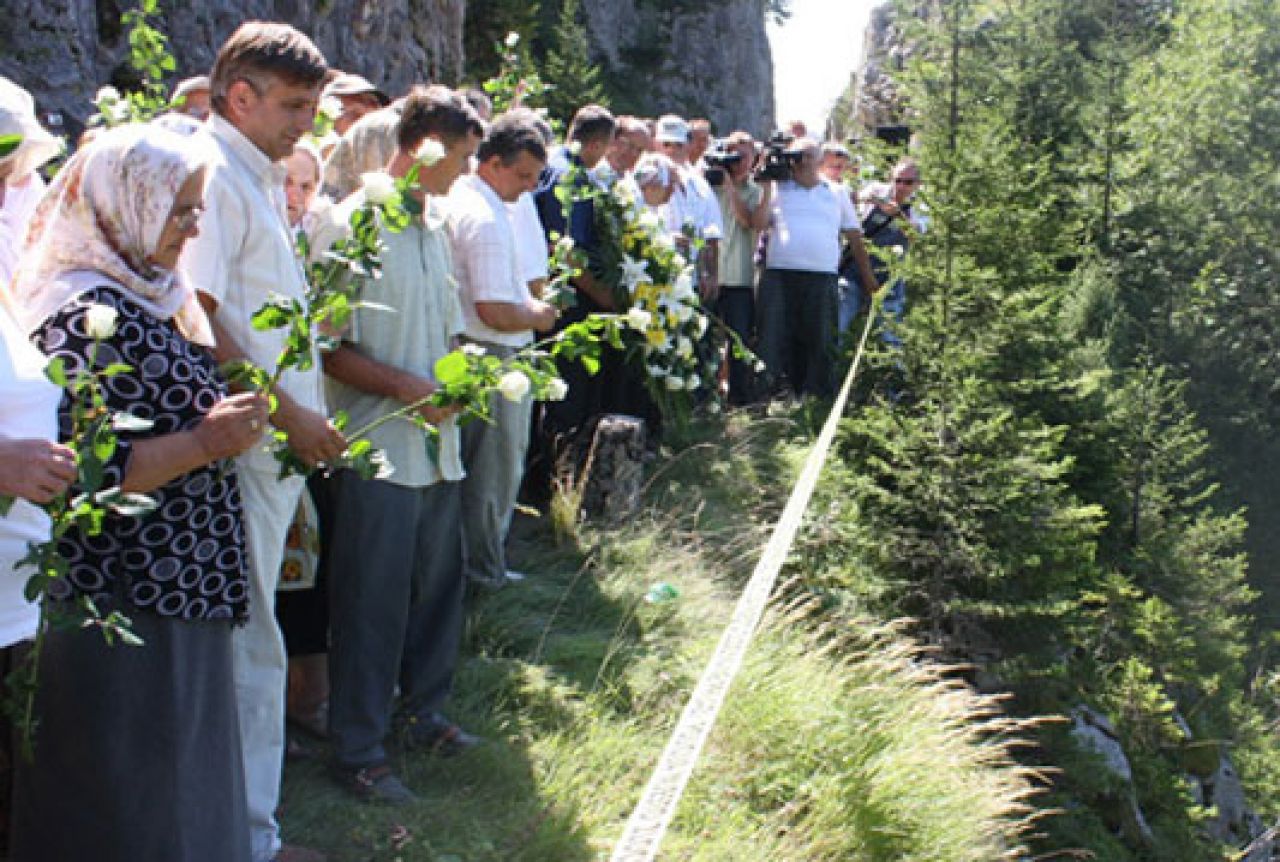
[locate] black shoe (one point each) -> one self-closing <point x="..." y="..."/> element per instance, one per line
<point x="375" y="784"/>
<point x="438" y="735"/>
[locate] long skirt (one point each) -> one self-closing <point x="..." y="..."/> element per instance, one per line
<point x="137" y="750"/>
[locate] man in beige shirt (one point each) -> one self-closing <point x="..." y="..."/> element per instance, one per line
<point x="265" y="89"/>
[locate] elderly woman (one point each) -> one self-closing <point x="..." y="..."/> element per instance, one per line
<point x="137" y="752"/>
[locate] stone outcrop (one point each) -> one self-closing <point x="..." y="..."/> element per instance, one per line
<point x="63" y="50"/>
<point x="694" y="57"/>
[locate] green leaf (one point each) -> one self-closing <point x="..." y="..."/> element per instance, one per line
<point x="56" y="371"/>
<point x="6" y="503"/>
<point x="9" y="143"/>
<point x="451" y="368"/>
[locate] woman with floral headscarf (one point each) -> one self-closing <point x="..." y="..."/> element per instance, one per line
<point x="137" y="753"/>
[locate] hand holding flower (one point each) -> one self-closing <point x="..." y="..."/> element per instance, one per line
<point x="233" y="425"/>
<point x="35" y="470"/>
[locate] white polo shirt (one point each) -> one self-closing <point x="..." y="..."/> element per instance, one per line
<point x="531" y="241"/>
<point x="244" y="254"/>
<point x="805" y="227"/>
<point x="485" y="261"/>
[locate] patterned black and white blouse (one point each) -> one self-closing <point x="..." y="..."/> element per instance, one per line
<point x="187" y="558"/>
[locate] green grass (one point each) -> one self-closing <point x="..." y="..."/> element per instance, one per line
<point x="825" y="750"/>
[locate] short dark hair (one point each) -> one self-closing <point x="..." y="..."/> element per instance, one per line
<point x="439" y="111"/>
<point x="265" y="49"/>
<point x="591" y="123"/>
<point x="513" y="133"/>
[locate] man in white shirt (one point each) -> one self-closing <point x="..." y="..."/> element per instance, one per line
<point x="796" y="306"/>
<point x="394" y="553"/>
<point x="693" y="211"/>
<point x="265" y="90"/>
<point x="501" y="316"/>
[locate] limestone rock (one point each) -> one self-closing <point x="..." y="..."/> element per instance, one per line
<point x="708" y="59"/>
<point x="63" y="50"/>
<point x="614" y="470"/>
<point x="1094" y="732"/>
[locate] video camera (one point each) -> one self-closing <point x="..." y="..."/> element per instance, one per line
<point x="778" y="161"/>
<point x="719" y="158"/>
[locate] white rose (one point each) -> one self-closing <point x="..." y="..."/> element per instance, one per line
<point x="379" y="187"/>
<point x="664" y="241"/>
<point x="575" y="148"/>
<point x="513" y="385"/>
<point x="649" y="220"/>
<point x="639" y="319"/>
<point x="692" y="382"/>
<point x="674" y="383"/>
<point x="513" y="39"/>
<point x="106" y="94"/>
<point x="331" y="107"/>
<point x="557" y="389"/>
<point x="701" y="321"/>
<point x="473" y="349"/>
<point x="100" y="321"/>
<point x="684" y="347"/>
<point x="429" y="152"/>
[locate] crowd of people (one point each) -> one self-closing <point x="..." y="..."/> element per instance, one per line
<point x="150" y="251"/>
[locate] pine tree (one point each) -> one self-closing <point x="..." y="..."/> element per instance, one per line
<point x="569" y="68"/>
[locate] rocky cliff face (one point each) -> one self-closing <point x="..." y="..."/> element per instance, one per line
<point x="698" y="57"/>
<point x="694" y="57"/>
<point x="63" y="50"/>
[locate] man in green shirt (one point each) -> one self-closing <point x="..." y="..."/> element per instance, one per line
<point x="744" y="205"/>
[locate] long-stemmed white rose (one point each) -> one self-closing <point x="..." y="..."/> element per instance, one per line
<point x="379" y="187"/>
<point x="429" y="152"/>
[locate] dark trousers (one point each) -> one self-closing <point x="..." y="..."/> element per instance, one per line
<point x="737" y="308"/>
<point x="796" y="323"/>
<point x="396" y="591"/>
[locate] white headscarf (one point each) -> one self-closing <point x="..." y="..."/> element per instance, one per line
<point x="101" y="220"/>
<point x="18" y="117"/>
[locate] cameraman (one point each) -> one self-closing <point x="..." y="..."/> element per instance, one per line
<point x="745" y="205"/>
<point x="888" y="222"/>
<point x="796" y="307"/>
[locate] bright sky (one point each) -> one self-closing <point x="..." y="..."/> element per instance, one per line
<point x="814" y="54"/>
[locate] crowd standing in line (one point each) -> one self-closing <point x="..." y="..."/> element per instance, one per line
<point x="179" y="231"/>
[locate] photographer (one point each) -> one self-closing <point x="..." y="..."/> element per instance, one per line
<point x="745" y="204"/>
<point x="796" y="306"/>
<point x="888" y="222"/>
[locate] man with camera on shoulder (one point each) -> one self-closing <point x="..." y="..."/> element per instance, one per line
<point x="744" y="204"/>
<point x="796" y="305"/>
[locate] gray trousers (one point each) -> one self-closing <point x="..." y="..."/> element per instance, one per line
<point x="796" y="327"/>
<point x="493" y="454"/>
<point x="395" y="603"/>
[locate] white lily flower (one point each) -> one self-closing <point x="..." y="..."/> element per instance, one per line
<point x="683" y="313"/>
<point x="675" y="383"/>
<point x="639" y="319"/>
<point x="656" y="371"/>
<point x="513" y="385"/>
<point x="684" y="347"/>
<point x="106" y="95"/>
<point x="100" y="321"/>
<point x="701" y="323"/>
<point x="664" y="241"/>
<point x="513" y="39"/>
<point x="692" y="382"/>
<point x="429" y="152"/>
<point x="557" y="389"/>
<point x="379" y="187"/>
<point x="683" y="287"/>
<point x="634" y="271"/>
<point x="649" y="220"/>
